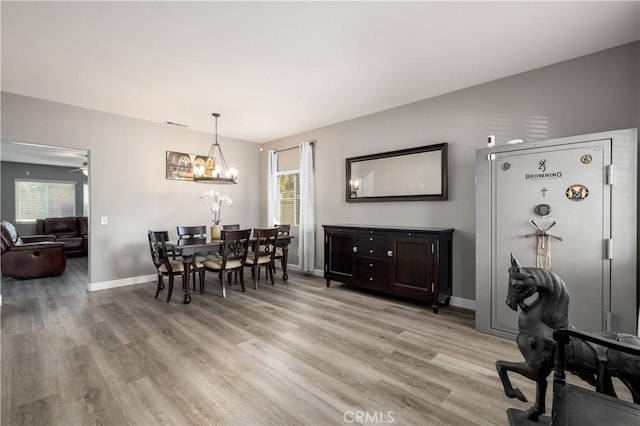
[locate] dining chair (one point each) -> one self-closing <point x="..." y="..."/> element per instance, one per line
<point x="264" y="248"/>
<point x="191" y="235"/>
<point x="166" y="266"/>
<point x="283" y="231"/>
<point x="232" y="227"/>
<point x="185" y="232"/>
<point x="234" y="254"/>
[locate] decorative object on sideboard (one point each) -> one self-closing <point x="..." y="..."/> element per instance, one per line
<point x="212" y="169"/>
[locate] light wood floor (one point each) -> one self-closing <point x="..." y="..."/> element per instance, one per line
<point x="295" y="353"/>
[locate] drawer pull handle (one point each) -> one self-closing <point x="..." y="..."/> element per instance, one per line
<point x="371" y="251"/>
<point x="371" y="265"/>
<point x="371" y="279"/>
<point x="370" y="238"/>
<point x="390" y="253"/>
<point x="355" y="249"/>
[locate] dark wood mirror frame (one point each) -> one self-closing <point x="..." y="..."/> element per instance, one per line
<point x="423" y="167"/>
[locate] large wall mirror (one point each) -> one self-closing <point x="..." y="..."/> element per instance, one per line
<point x="408" y="174"/>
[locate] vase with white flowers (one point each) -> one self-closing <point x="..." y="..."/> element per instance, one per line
<point x="216" y="209"/>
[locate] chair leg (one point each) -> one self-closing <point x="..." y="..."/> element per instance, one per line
<point x="241" y="279"/>
<point x="270" y="269"/>
<point x="202" y="281"/>
<point x="170" y="287"/>
<point x="224" y="290"/>
<point x="160" y="285"/>
<point x="254" y="274"/>
<point x="193" y="278"/>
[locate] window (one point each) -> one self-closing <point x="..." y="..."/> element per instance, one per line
<point x="288" y="197"/>
<point x="40" y="199"/>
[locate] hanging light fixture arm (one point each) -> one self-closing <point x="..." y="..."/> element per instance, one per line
<point x="225" y="175"/>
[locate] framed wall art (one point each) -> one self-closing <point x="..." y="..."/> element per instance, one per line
<point x="179" y="166"/>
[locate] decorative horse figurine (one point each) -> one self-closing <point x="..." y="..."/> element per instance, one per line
<point x="536" y="324"/>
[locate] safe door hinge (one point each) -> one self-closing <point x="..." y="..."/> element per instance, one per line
<point x="491" y="157"/>
<point x="433" y="287"/>
<point x="608" y="248"/>
<point x="609" y="174"/>
<point x="433" y="248"/>
<point x="326" y="239"/>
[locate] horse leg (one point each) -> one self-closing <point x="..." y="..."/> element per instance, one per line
<point x="538" y="407"/>
<point x="538" y="375"/>
<point x="509" y="391"/>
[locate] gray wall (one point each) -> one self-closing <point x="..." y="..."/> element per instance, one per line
<point x="127" y="177"/>
<point x="9" y="171"/>
<point x="588" y="94"/>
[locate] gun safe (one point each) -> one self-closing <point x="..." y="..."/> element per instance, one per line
<point x="568" y="205"/>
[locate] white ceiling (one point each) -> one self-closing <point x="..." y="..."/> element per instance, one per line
<point x="274" y="69"/>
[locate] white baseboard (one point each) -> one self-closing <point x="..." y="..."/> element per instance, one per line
<point x="104" y="285"/>
<point x="294" y="267"/>
<point x="463" y="303"/>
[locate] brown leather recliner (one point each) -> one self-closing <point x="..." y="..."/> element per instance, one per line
<point x="30" y="257"/>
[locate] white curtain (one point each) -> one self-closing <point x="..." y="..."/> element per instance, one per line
<point x="272" y="188"/>
<point x="306" y="239"/>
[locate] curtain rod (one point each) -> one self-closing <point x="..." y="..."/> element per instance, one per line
<point x="293" y="147"/>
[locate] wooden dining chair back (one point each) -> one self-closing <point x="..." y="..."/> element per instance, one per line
<point x="163" y="261"/>
<point x="194" y="235"/>
<point x="187" y="232"/>
<point x="264" y="249"/>
<point x="233" y="227"/>
<point x="235" y="245"/>
<point x="283" y="231"/>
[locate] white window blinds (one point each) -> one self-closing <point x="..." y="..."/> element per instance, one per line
<point x="288" y="198"/>
<point x="41" y="199"/>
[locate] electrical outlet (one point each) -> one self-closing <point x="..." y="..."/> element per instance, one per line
<point x="104" y="220"/>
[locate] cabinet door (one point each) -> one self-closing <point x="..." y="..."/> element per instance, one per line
<point x="413" y="271"/>
<point x="339" y="256"/>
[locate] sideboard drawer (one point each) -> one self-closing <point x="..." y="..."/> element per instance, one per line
<point x="373" y="237"/>
<point x="373" y="250"/>
<point x="372" y="280"/>
<point x="372" y="264"/>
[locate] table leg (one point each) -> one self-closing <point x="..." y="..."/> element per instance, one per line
<point x="187" y="274"/>
<point x="285" y="255"/>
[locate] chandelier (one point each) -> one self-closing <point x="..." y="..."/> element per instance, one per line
<point x="212" y="169"/>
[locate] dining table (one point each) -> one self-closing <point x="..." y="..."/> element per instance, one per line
<point x="190" y="247"/>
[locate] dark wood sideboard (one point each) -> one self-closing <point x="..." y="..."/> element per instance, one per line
<point x="408" y="262"/>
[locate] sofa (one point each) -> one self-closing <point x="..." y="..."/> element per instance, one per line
<point x="72" y="231"/>
<point x="30" y="257"/>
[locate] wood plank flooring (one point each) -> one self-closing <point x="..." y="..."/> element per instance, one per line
<point x="296" y="353"/>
